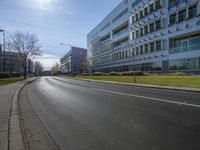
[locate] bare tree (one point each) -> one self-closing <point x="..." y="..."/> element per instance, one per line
<point x="55" y="70"/>
<point x="38" y="68"/>
<point x="27" y="45"/>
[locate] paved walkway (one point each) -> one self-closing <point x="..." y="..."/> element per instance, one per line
<point x="6" y="94"/>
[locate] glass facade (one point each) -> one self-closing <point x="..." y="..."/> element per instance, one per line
<point x="157" y="4"/>
<point x="184" y="64"/>
<point x="151" y="8"/>
<point x="149" y="67"/>
<point x="146" y="30"/>
<point x="193" y="11"/>
<point x="151" y="47"/>
<point x="151" y="27"/>
<point x="185" y="44"/>
<point x="158" y="24"/>
<point x="181" y="15"/>
<point x="146" y="48"/>
<point x="158" y="46"/>
<point x="172" y="19"/>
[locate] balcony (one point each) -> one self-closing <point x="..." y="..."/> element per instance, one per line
<point x="120" y="32"/>
<point x="121" y="45"/>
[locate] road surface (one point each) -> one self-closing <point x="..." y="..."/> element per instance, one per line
<point x="81" y="115"/>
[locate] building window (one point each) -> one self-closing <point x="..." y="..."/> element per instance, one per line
<point x="172" y="19"/>
<point x="172" y="3"/>
<point x="123" y="55"/>
<point x="136" y="17"/>
<point x="152" y="47"/>
<point x="151" y="8"/>
<point x="141" y="49"/>
<point x="151" y="27"/>
<point x="181" y="15"/>
<point x="193" y="11"/>
<point x="146" y="30"/>
<point x="192" y="63"/>
<point x="180" y="1"/>
<point x="141" y="14"/>
<point x="133" y="35"/>
<point x="120" y="55"/>
<point x="179" y="64"/>
<point x="133" y="52"/>
<point x="120" y="15"/>
<point x="137" y="33"/>
<point x="126" y="54"/>
<point x="195" y="43"/>
<point x="137" y="50"/>
<point x="133" y="19"/>
<point x="158" y="46"/>
<point x="141" y="32"/>
<point x="158" y="25"/>
<point x="158" y="5"/>
<point x="146" y="47"/>
<point x="146" y="12"/>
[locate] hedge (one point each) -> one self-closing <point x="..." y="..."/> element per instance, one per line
<point x="8" y="75"/>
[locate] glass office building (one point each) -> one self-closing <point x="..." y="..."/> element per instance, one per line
<point x="147" y="35"/>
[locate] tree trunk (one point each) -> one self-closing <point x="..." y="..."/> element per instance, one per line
<point x="25" y="73"/>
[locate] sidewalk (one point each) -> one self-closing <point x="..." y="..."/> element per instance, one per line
<point x="7" y="93"/>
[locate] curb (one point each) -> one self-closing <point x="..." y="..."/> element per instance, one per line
<point x="143" y="85"/>
<point x="15" y="135"/>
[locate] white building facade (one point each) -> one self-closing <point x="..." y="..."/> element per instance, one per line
<point x="149" y="36"/>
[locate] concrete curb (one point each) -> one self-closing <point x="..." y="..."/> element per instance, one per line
<point x="144" y="85"/>
<point x="15" y="135"/>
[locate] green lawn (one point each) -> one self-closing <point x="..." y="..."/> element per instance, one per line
<point x="180" y="81"/>
<point x="10" y="80"/>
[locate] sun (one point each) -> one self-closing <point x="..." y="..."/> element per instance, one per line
<point x="43" y="3"/>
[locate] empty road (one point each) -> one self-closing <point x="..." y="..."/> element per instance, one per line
<point x="81" y="115"/>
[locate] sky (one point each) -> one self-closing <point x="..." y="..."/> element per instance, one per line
<point x="54" y="22"/>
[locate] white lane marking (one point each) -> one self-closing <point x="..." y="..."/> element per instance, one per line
<point x="150" y="98"/>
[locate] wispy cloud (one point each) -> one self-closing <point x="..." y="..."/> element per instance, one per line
<point x="52" y="6"/>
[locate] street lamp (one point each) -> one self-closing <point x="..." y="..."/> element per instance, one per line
<point x="4" y="49"/>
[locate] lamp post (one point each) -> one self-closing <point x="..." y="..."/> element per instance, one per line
<point x="4" y="49"/>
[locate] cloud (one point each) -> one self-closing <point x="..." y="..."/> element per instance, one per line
<point x="47" y="60"/>
<point x="52" y="6"/>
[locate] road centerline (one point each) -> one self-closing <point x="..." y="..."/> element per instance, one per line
<point x="150" y="98"/>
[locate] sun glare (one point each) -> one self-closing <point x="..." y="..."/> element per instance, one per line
<point x="44" y="3"/>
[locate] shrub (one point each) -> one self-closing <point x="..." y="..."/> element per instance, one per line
<point x="181" y="74"/>
<point x="84" y="74"/>
<point x="98" y="74"/>
<point x="114" y="74"/>
<point x="8" y="75"/>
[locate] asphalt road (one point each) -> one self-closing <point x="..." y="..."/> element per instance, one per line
<point x="81" y="115"/>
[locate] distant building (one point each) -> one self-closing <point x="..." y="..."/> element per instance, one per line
<point x="147" y="35"/>
<point x="12" y="62"/>
<point x="46" y="73"/>
<point x="75" y="61"/>
<point x="30" y="66"/>
<point x="1" y="59"/>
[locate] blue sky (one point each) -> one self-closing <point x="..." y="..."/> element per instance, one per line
<point x="55" y="21"/>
